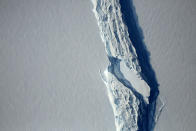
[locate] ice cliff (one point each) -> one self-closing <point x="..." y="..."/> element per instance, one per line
<point x="127" y="90"/>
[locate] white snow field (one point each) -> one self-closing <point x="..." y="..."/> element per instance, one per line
<point x="50" y="56"/>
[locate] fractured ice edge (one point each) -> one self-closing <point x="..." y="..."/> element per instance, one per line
<point x="127" y="90"/>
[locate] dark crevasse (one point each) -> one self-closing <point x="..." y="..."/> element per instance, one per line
<point x="146" y="122"/>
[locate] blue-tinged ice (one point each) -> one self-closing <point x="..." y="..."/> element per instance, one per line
<point x="127" y="90"/>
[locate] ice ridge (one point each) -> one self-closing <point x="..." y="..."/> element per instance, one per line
<point x="128" y="92"/>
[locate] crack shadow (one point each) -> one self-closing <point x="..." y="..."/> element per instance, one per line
<point x="136" y="36"/>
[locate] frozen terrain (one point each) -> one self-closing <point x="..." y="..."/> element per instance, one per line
<point x="51" y="52"/>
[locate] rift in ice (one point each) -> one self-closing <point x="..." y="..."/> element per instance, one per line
<point x="129" y="78"/>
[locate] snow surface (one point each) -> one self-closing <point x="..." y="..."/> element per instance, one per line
<point x="50" y="55"/>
